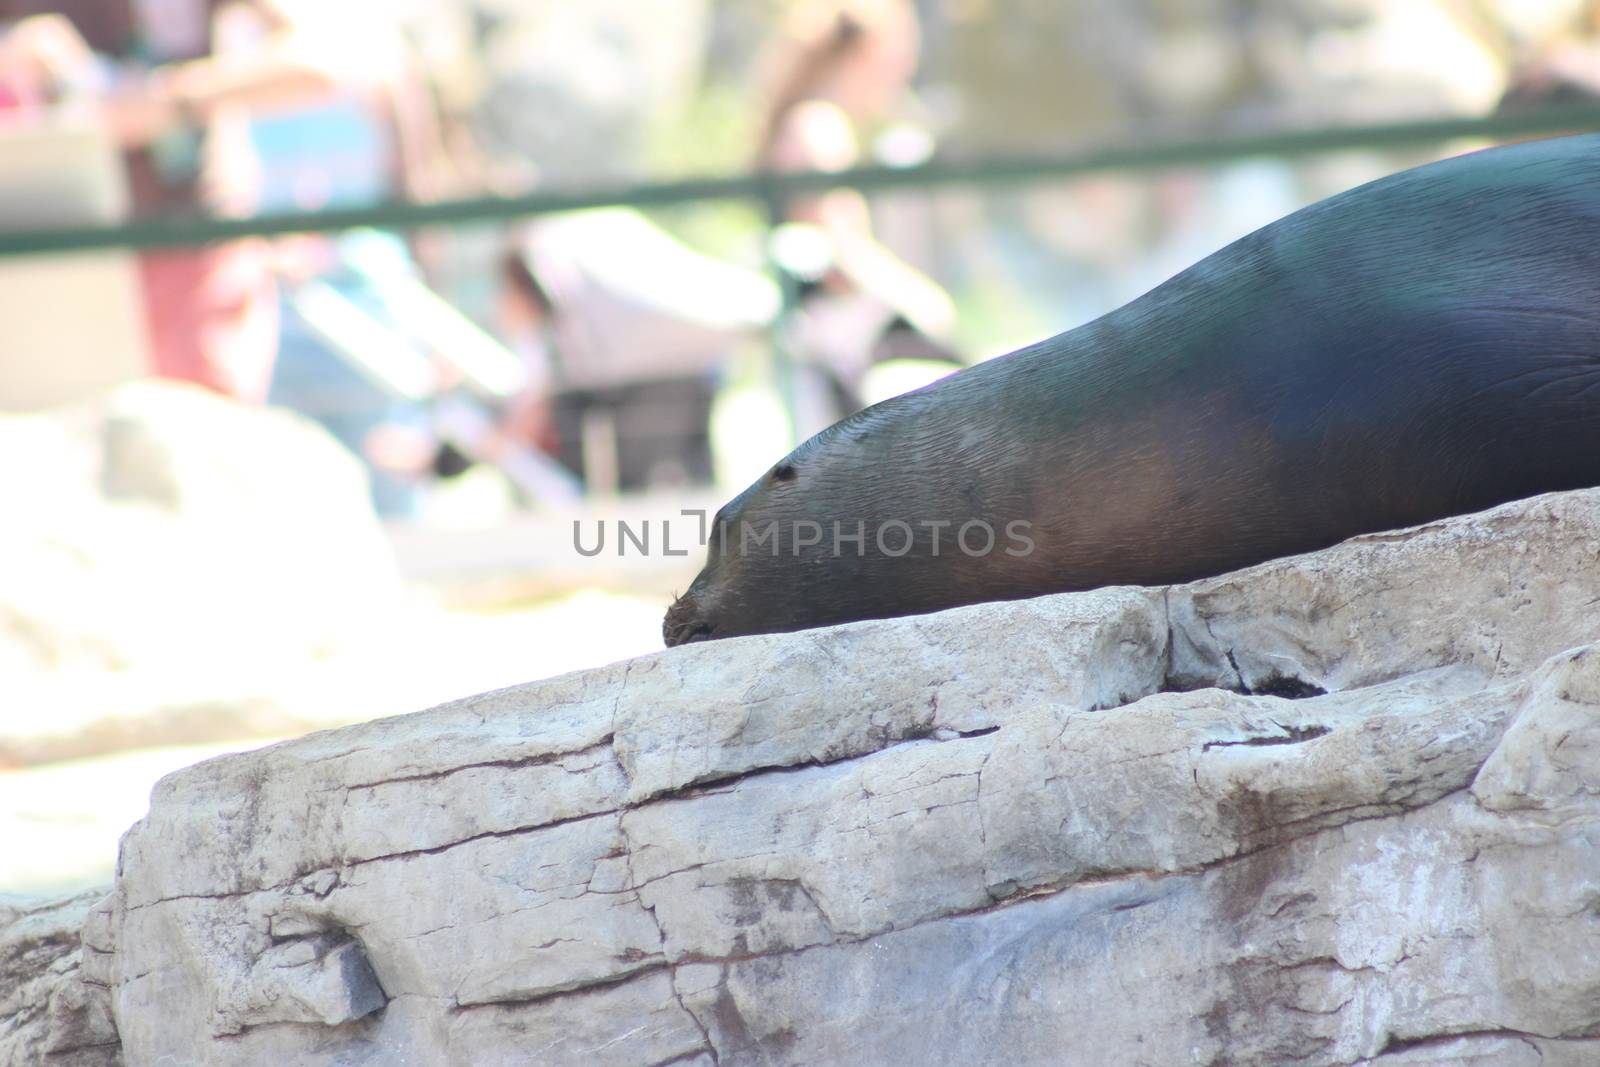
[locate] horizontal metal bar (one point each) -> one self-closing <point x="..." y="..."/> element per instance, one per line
<point x="179" y="232"/>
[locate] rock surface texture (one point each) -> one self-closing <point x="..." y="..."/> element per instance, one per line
<point x="50" y="1013"/>
<point x="1336" y="809"/>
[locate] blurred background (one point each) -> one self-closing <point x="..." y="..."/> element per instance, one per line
<point x="340" y="341"/>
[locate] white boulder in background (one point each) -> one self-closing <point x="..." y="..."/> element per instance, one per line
<point x="164" y="552"/>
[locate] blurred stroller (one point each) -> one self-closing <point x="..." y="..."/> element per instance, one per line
<point x="625" y="335"/>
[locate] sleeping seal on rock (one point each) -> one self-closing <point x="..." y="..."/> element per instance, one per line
<point x="1422" y="346"/>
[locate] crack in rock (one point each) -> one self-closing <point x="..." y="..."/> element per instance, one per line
<point x="807" y="876"/>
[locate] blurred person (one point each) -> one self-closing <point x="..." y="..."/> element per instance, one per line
<point x="42" y="59"/>
<point x="369" y="140"/>
<point x="844" y="66"/>
<point x="525" y="315"/>
<point x="1566" y="74"/>
<point x="177" y="82"/>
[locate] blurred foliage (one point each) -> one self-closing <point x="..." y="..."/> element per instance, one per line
<point x="712" y="134"/>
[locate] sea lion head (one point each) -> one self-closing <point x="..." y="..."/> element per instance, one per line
<point x="843" y="528"/>
<point x="750" y="581"/>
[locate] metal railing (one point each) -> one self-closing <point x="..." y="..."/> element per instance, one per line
<point x="773" y="188"/>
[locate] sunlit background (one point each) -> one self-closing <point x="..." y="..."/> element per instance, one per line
<point x="281" y="482"/>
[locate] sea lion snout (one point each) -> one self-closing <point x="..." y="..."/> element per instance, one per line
<point x="686" y="620"/>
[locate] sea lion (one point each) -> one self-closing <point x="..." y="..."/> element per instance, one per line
<point x="1424" y="345"/>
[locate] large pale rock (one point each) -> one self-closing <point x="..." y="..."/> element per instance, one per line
<point x="1010" y="833"/>
<point x="50" y="1013"/>
<point x="164" y="553"/>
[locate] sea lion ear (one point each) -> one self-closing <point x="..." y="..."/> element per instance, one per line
<point x="783" y="472"/>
